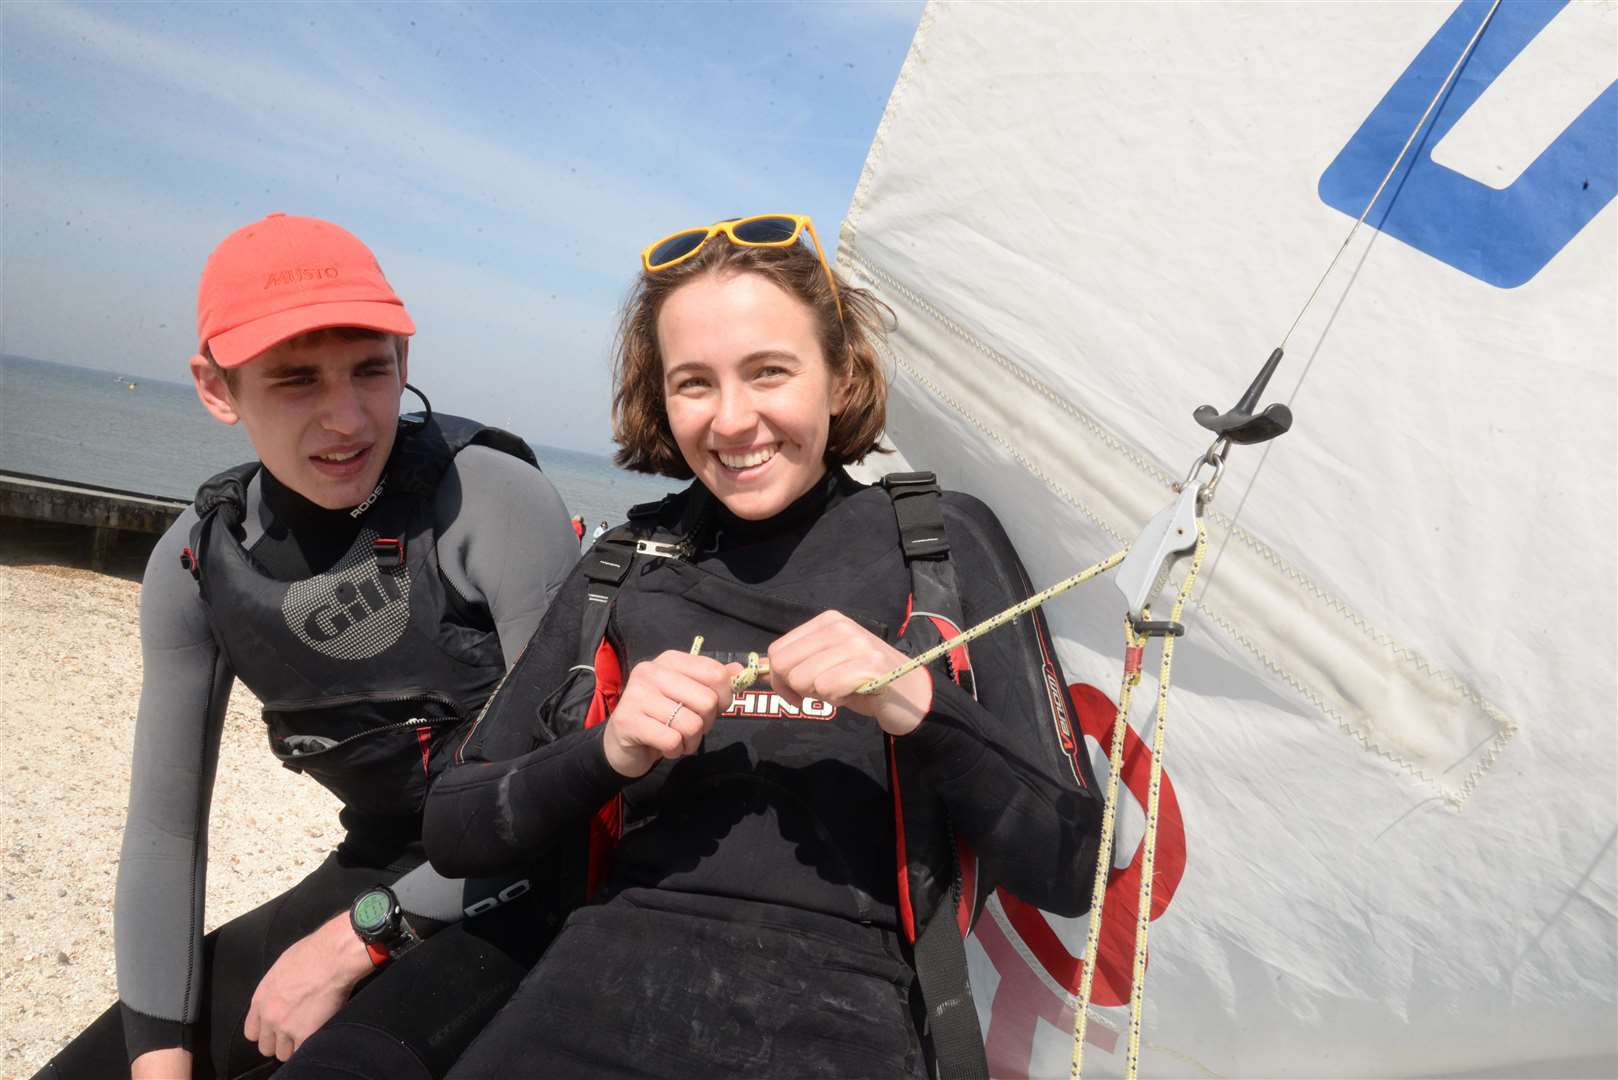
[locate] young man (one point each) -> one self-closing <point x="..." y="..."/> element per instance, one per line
<point x="370" y="579"/>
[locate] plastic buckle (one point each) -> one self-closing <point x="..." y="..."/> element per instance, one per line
<point x="188" y="562"/>
<point x="898" y="483"/>
<point x="389" y="551"/>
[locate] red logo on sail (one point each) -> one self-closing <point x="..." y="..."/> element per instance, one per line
<point x="1023" y="997"/>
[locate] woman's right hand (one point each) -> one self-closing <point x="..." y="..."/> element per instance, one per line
<point x="666" y="708"/>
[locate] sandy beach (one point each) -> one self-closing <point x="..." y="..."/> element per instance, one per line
<point x="70" y="677"/>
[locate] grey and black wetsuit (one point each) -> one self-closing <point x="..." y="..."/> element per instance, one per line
<point x="751" y="923"/>
<point x="311" y="611"/>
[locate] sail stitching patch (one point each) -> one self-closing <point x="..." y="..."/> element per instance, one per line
<point x="1506" y="727"/>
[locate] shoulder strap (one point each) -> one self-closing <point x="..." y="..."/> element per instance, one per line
<point x="606" y="565"/>
<point x="654" y="529"/>
<point x="226" y="491"/>
<point x="427" y="445"/>
<point x="940" y="955"/>
<point x="459" y="433"/>
<point x="224" y="494"/>
<point x="934" y="591"/>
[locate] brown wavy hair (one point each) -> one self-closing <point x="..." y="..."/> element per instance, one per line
<point x="640" y="420"/>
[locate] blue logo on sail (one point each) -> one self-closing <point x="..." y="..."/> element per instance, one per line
<point x="1501" y="236"/>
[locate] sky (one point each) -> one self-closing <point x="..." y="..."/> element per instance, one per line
<point x="505" y="162"/>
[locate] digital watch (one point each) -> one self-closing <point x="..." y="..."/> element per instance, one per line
<point x="379" y="922"/>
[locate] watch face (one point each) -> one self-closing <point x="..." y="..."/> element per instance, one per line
<point x="371" y="911"/>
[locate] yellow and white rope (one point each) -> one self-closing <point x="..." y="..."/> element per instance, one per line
<point x="1109" y="823"/>
<point x="757" y="666"/>
<point x="993" y="622"/>
<point x="1143" y="913"/>
<point x="1109" y="811"/>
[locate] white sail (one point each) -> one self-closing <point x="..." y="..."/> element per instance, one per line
<point x="1391" y="744"/>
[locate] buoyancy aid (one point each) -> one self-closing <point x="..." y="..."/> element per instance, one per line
<point x="365" y="669"/>
<point x="644" y="597"/>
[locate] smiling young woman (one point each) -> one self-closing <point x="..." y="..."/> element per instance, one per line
<point x="755" y="906"/>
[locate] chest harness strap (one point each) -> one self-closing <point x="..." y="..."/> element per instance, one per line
<point x="940" y="955"/>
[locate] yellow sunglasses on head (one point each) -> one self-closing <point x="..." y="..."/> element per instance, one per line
<point x="760" y="230"/>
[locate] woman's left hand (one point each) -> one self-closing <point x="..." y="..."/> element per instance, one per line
<point x="831" y="654"/>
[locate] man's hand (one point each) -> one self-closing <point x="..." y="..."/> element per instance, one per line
<point x="305" y="987"/>
<point x="171" y="1064"/>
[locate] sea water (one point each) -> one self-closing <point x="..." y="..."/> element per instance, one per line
<point x="142" y="435"/>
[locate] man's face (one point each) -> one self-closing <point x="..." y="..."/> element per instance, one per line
<point x="322" y="412"/>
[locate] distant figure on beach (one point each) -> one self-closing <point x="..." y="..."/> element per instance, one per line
<point x="578" y="528"/>
<point x="601" y="530"/>
<point x="369" y="578"/>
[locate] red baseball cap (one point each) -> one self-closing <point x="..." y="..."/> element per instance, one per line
<point x="284" y="276"/>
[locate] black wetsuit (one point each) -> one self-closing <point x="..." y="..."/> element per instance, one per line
<point x="750" y="925"/>
<point x="502" y="547"/>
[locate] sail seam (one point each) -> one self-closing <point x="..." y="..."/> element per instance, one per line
<point x="1505" y="726"/>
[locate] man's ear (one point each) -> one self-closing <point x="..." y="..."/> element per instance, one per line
<point x="212" y="391"/>
<point x="402" y="344"/>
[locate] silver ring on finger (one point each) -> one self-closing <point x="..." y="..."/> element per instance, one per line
<point x="670" y="721"/>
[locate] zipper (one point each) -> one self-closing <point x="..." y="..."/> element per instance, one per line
<point x="661" y="550"/>
<point x="402" y="725"/>
<point x="339" y="700"/>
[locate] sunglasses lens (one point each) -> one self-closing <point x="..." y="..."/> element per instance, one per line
<point x="766" y="230"/>
<point x="676" y="247"/>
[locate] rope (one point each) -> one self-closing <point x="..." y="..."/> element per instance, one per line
<point x="756" y="666"/>
<point x="1431" y="105"/>
<point x="1133" y="646"/>
<point x="993" y="622"/>
<point x="1265" y="457"/>
<point x="1143" y="913"/>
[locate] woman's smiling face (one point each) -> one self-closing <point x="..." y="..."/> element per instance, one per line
<point x="749" y="394"/>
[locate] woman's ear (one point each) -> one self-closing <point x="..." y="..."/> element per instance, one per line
<point x="213" y="391"/>
<point x="842" y="389"/>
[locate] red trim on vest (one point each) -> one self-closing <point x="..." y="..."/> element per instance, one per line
<point x="907" y="913"/>
<point x="959" y="659"/>
<point x="424" y="737"/>
<point x="608" y="823"/>
<point x="966" y="908"/>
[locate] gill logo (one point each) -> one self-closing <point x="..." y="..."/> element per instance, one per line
<point x="351" y="603"/>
